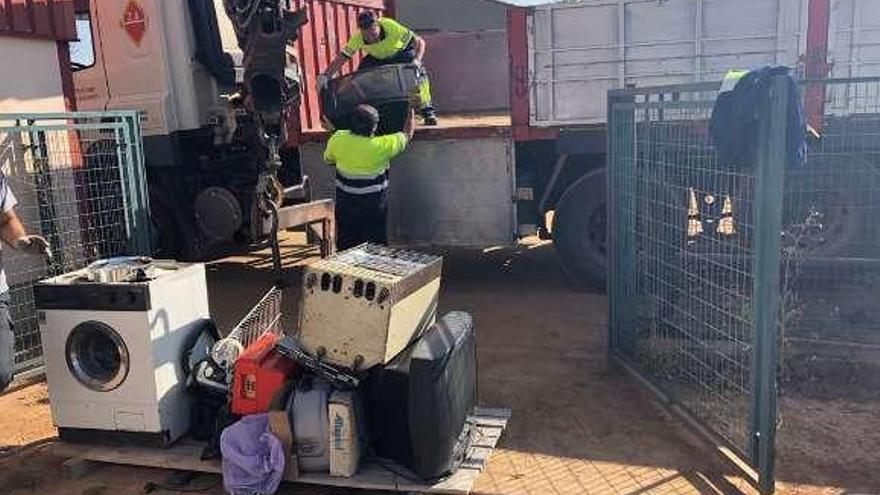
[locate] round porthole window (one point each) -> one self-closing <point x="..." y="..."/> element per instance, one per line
<point x="97" y="356"/>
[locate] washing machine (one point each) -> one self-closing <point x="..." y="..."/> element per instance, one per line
<point x="113" y="337"/>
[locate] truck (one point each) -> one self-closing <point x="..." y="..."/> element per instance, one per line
<point x="522" y="151"/>
<point x="204" y="82"/>
<point x="535" y="163"/>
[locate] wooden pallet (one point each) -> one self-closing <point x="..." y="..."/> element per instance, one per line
<point x="185" y="456"/>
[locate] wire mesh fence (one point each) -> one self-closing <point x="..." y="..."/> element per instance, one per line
<point x="684" y="291"/>
<point x="79" y="182"/>
<point x="829" y="368"/>
<point x="737" y="290"/>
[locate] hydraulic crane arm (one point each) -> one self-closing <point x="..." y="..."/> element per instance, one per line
<point x="263" y="29"/>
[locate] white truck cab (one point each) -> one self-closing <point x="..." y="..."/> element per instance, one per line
<point x="179" y="63"/>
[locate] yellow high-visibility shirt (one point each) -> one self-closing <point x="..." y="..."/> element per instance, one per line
<point x="361" y="156"/>
<point x="395" y="37"/>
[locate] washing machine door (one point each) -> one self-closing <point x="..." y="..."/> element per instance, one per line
<point x="97" y="356"/>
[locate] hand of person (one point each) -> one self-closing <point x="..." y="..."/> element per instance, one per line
<point x="34" y="245"/>
<point x="323" y="81"/>
<point x="326" y="124"/>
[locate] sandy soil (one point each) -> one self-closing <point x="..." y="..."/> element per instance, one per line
<point x="578" y="426"/>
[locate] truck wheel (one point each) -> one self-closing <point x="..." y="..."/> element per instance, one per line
<point x="579" y="235"/>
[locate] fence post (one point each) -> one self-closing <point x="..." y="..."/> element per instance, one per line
<point x="769" y="188"/>
<point x="620" y="173"/>
<point x="140" y="241"/>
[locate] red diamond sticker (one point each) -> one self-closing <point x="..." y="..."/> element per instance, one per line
<point x="134" y="21"/>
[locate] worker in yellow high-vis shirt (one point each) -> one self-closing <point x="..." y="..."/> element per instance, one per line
<point x="385" y="41"/>
<point x="362" y="160"/>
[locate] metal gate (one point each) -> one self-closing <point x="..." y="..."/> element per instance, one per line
<point x="692" y="275"/>
<point x="80" y="182"/>
<point x="727" y="283"/>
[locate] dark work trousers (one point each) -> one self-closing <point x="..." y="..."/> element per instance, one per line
<point x="361" y="218"/>
<point x="7" y="343"/>
<point x="405" y="56"/>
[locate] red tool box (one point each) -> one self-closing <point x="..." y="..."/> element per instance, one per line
<point x="260" y="373"/>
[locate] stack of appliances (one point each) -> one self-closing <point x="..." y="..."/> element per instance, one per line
<point x="113" y="335"/>
<point x="377" y="374"/>
<point x="131" y="353"/>
<point x="372" y="311"/>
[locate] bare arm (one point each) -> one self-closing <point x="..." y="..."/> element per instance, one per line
<point x="12" y="232"/>
<point x="420" y="48"/>
<point x="11" y="229"/>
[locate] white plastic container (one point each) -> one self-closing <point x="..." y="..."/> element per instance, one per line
<point x="345" y="434"/>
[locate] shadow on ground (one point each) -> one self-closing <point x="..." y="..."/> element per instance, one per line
<point x="579" y="425"/>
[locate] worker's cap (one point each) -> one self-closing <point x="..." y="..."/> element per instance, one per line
<point x="366" y="19"/>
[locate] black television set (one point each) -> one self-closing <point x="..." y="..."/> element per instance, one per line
<point x="386" y="87"/>
<point x="420" y="402"/>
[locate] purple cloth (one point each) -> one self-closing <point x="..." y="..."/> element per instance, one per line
<point x="253" y="458"/>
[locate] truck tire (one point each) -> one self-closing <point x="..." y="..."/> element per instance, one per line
<point x="579" y="225"/>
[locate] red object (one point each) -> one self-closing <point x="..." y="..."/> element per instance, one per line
<point x="66" y="71"/>
<point x="520" y="106"/>
<point x="260" y="373"/>
<point x="134" y="21"/>
<point x="816" y="61"/>
<point x="331" y="23"/>
<point x="518" y="47"/>
<point x="40" y="19"/>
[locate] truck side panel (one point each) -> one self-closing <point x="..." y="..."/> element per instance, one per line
<point x="49" y="20"/>
<point x="469" y="71"/>
<point x="448" y="192"/>
<point x="854" y="38"/>
<point x="580" y="51"/>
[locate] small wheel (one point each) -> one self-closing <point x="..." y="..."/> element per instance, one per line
<point x="579" y="230"/>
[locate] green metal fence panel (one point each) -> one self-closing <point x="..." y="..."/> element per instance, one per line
<point x="747" y="298"/>
<point x="686" y="258"/>
<point x="829" y="370"/>
<point x="81" y="183"/>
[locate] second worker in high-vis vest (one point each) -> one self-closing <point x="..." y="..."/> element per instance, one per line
<point x="385" y="41"/>
<point x="362" y="160"/>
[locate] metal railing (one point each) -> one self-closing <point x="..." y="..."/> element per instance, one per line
<point x="737" y="290"/>
<point x="80" y="182"/>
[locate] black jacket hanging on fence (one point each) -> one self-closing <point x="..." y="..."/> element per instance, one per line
<point x="735" y="122"/>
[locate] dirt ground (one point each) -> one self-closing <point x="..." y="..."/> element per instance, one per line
<point x="579" y="425"/>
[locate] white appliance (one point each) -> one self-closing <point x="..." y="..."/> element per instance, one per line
<point x="346" y="435"/>
<point x="363" y="306"/>
<point x="113" y="335"/>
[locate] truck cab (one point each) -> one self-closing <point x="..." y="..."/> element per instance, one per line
<point x="179" y="64"/>
<point x="143" y="54"/>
